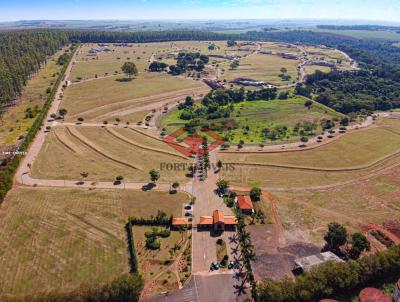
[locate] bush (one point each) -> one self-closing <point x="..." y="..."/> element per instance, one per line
<point x="164" y="233"/>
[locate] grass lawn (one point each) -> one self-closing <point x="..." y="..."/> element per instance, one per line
<point x="221" y="251"/>
<point x="104" y="154"/>
<point x="301" y="169"/>
<point x="34" y="94"/>
<point x="262" y="67"/>
<point x="90" y="99"/>
<point x="250" y="118"/>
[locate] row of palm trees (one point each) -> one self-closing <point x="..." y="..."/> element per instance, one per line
<point x="247" y="251"/>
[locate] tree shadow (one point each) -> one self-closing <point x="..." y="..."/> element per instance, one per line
<point x="124" y="79"/>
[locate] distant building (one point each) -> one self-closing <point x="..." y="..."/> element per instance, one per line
<point x="180" y="222"/>
<point x="289" y="55"/>
<point x="218" y="221"/>
<point x="230" y="56"/>
<point x="214" y="84"/>
<point x="266" y="52"/>
<point x="245" y="204"/>
<point x="306" y="263"/>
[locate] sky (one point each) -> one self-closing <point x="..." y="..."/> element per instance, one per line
<point x="382" y="10"/>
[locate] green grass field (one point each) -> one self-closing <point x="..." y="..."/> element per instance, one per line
<point x="361" y="151"/>
<point x="257" y="115"/>
<point x="64" y="237"/>
<point x="13" y="122"/>
<point x="104" y="154"/>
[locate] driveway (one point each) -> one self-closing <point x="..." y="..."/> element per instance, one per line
<point x="214" y="287"/>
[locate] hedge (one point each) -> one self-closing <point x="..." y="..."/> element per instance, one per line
<point x="7" y="173"/>
<point x="331" y="279"/>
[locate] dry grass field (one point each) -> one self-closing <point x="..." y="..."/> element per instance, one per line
<point x="262" y="67"/>
<point x="349" y="157"/>
<point x="63" y="237"/>
<point x="104" y="153"/>
<point x="93" y="98"/>
<point x="375" y="199"/>
<point x="13" y="122"/>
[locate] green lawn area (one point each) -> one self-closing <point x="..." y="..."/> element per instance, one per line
<point x="257" y="115"/>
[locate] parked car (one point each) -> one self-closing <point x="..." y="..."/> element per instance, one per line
<point x="214" y="266"/>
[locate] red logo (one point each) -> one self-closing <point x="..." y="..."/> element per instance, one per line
<point x="192" y="143"/>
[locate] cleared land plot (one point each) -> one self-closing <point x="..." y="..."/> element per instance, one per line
<point x="280" y="47"/>
<point x="34" y="94"/>
<point x="262" y="67"/>
<point x="310" y="69"/>
<point x="250" y="118"/>
<point x="353" y="155"/>
<point x="375" y="199"/>
<point x="104" y="154"/>
<point x="93" y="98"/>
<point x="64" y="237"/>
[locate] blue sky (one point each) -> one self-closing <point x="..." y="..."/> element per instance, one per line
<point x="385" y="10"/>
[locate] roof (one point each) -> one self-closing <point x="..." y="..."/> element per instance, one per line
<point x="180" y="221"/>
<point x="230" y="220"/>
<point x="218" y="216"/>
<point x="245" y="203"/>
<point x="371" y="294"/>
<point x="206" y="220"/>
<point x="307" y="263"/>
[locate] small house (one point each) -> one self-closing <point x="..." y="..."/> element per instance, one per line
<point x="244" y="204"/>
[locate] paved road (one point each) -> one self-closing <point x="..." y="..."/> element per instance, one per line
<point x="215" y="287"/>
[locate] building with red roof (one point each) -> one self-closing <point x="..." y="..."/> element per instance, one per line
<point x="218" y="221"/>
<point x="245" y="204"/>
<point x="371" y="294"/>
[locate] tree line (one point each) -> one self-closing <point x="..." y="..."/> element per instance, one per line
<point x="21" y="55"/>
<point x="333" y="279"/>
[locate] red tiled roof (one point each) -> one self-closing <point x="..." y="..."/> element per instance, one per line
<point x="370" y="294"/>
<point x="218" y="216"/>
<point x="245" y="203"/>
<point x="180" y="221"/>
<point x="206" y="220"/>
<point x="230" y="220"/>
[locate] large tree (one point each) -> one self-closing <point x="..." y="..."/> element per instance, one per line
<point x="130" y="69"/>
<point x="336" y="236"/>
<point x="360" y="243"/>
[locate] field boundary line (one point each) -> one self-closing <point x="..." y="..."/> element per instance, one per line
<point x="357" y="168"/>
<point x="100" y="151"/>
<point x="128" y="141"/>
